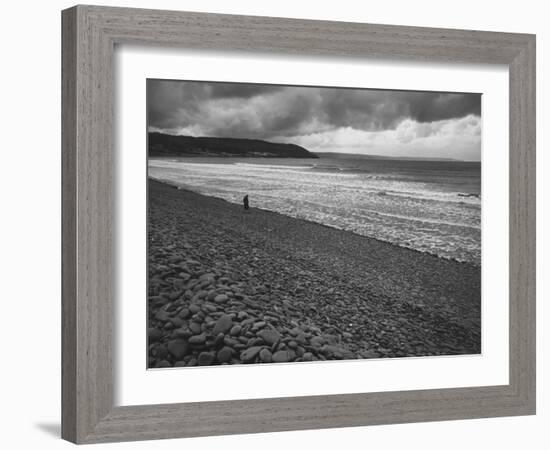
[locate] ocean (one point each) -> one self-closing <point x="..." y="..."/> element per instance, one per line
<point x="428" y="206"/>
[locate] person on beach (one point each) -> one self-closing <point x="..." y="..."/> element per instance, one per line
<point x="245" y="202"/>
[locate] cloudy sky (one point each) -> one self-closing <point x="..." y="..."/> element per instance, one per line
<point x="377" y="122"/>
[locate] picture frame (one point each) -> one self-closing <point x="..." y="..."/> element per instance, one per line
<point x="90" y="34"/>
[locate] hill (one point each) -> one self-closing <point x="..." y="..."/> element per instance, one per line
<point x="169" y="145"/>
<point x="362" y="156"/>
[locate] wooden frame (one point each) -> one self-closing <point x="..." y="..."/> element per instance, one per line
<point x="89" y="36"/>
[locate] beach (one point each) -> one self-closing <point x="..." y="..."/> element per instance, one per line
<point x="229" y="286"/>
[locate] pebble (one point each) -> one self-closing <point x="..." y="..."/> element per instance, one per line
<point x="198" y="339"/>
<point x="206" y="276"/>
<point x="210" y="308"/>
<point x="194" y="309"/>
<point x="369" y="354"/>
<point x="182" y="333"/>
<point x="219" y="339"/>
<point x="270" y="337"/>
<point x="250" y="353"/>
<point x="177" y="322"/>
<point x="223" y="325"/>
<point x="258" y="325"/>
<point x="184" y="313"/>
<point x="225" y="354"/>
<point x="195" y="327"/>
<point x="281" y="356"/>
<point x="265" y="355"/>
<point x="222" y="298"/>
<point x="154" y="334"/>
<point x="206" y="359"/>
<point x="163" y="363"/>
<point x="162" y="316"/>
<point x="235" y="331"/>
<point x="178" y="348"/>
<point x="317" y="341"/>
<point x="161" y="351"/>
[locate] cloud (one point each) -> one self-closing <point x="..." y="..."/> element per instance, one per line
<point x="449" y="138"/>
<point x="292" y="113"/>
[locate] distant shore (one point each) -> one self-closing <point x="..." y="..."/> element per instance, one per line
<point x="229" y="286"/>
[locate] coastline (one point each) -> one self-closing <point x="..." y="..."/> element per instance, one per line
<point x="312" y="291"/>
<point x="381" y="241"/>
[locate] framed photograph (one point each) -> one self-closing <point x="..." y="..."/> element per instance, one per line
<point x="277" y="224"/>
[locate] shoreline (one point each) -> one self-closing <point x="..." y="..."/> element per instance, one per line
<point x="227" y="286"/>
<point x="267" y="211"/>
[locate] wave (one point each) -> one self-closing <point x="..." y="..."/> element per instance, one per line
<point x="439" y="218"/>
<point x="272" y="166"/>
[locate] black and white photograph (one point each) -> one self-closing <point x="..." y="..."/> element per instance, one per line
<point x="294" y="224"/>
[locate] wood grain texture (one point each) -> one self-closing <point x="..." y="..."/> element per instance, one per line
<point x="89" y="36"/>
<point x="68" y="225"/>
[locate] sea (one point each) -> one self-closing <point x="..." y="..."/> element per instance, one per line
<point x="428" y="206"/>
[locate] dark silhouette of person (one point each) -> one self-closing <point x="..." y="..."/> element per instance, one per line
<point x="245" y="202"/>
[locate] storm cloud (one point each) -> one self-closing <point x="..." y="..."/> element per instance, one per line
<point x="314" y="114"/>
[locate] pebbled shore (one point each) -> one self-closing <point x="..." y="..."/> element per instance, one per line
<point x="227" y="286"/>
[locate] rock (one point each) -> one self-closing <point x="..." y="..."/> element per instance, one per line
<point x="222" y="298"/>
<point x="178" y="348"/>
<point x="206" y="359"/>
<point x="332" y="351"/>
<point x="207" y="276"/>
<point x="369" y="354"/>
<point x="292" y="344"/>
<point x="154" y="334"/>
<point x="317" y="341"/>
<point x="252" y="342"/>
<point x="218" y="341"/>
<point x="195" y="328"/>
<point x="199" y="317"/>
<point x="184" y="313"/>
<point x="307" y="356"/>
<point x="157" y="301"/>
<point x="182" y="333"/>
<point x="235" y="331"/>
<point x="210" y="308"/>
<point x="225" y="355"/>
<point x="230" y="341"/>
<point x="162" y="316"/>
<point x="270" y="337"/>
<point x="194" y="309"/>
<point x="163" y="363"/>
<point x="177" y="322"/>
<point x="223" y="325"/>
<point x="281" y="356"/>
<point x="161" y="352"/>
<point x="198" y="339"/>
<point x="331" y="338"/>
<point x="265" y="355"/>
<point x="258" y="325"/>
<point x="250" y="353"/>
